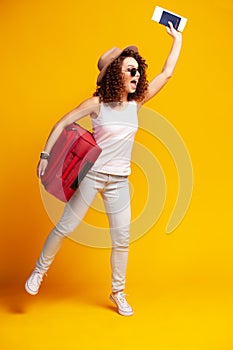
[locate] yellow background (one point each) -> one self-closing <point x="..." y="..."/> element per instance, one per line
<point x="180" y="285"/>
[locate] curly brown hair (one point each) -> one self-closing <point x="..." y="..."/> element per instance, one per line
<point x="112" y="85"/>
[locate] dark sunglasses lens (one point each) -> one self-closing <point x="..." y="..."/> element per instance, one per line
<point x="133" y="72"/>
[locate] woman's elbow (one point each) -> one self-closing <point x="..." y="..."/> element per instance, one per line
<point x="168" y="74"/>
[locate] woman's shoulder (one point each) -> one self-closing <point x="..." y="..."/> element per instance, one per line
<point x="92" y="101"/>
<point x="93" y="105"/>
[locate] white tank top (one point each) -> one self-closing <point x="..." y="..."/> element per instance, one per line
<point x="114" y="132"/>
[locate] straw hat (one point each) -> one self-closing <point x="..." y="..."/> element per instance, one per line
<point x="108" y="57"/>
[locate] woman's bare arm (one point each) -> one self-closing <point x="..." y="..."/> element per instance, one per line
<point x="87" y="107"/>
<point x="161" y="79"/>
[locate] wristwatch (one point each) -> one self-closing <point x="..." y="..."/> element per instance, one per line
<point x="44" y="155"/>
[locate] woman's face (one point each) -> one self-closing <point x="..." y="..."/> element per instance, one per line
<point x="130" y="81"/>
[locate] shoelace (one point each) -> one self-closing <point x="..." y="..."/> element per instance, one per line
<point x="121" y="298"/>
<point x="37" y="277"/>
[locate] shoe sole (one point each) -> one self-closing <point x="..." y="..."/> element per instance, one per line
<point x="119" y="311"/>
<point x="29" y="291"/>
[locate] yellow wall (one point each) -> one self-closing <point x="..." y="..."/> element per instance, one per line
<point x="49" y="51"/>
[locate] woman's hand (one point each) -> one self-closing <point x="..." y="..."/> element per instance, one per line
<point x="173" y="32"/>
<point x="41" y="167"/>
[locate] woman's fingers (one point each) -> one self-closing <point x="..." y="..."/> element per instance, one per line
<point x="172" y="31"/>
<point x="41" y="167"/>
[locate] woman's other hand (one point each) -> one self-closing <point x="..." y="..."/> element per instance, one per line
<point x="41" y="167"/>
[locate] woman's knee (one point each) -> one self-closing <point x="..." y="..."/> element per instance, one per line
<point x="64" y="230"/>
<point x="120" y="238"/>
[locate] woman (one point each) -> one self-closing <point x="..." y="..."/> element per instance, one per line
<point x="122" y="88"/>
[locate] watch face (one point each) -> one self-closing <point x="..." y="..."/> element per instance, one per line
<point x="44" y="156"/>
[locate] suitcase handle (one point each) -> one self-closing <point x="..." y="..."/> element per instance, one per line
<point x="81" y="175"/>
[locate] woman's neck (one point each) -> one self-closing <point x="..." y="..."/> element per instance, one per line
<point x="125" y="97"/>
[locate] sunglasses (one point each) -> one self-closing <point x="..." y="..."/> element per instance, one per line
<point x="133" y="71"/>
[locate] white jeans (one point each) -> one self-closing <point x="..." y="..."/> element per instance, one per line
<point x="115" y="193"/>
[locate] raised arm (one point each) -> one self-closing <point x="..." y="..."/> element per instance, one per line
<point x="161" y="79"/>
<point x="88" y="107"/>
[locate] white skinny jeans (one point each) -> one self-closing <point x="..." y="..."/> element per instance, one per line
<point x="115" y="193"/>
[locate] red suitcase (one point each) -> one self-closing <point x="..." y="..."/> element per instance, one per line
<point x="72" y="156"/>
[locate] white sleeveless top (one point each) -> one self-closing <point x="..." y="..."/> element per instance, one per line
<point x="114" y="132"/>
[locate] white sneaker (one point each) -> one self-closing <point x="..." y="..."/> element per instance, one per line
<point x="123" y="307"/>
<point x="33" y="283"/>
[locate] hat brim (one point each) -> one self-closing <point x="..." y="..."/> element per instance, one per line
<point x="103" y="70"/>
